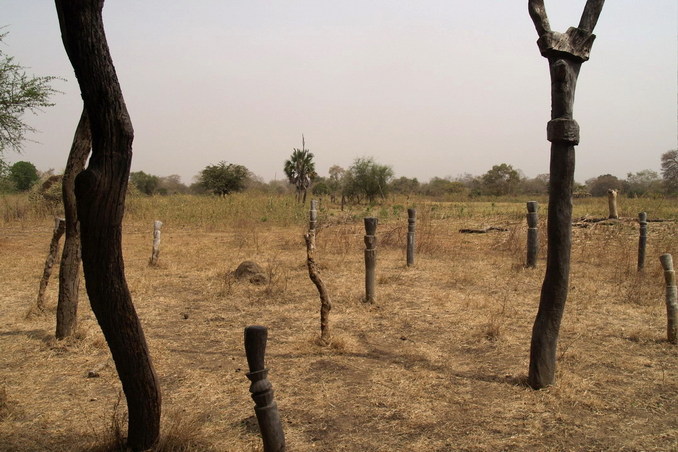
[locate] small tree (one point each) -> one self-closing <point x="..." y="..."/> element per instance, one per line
<point x="224" y="178"/>
<point x="405" y="186"/>
<point x="367" y="178"/>
<point x="300" y="170"/>
<point x="501" y="180"/>
<point x="19" y="93"/>
<point x="23" y="175"/>
<point x="670" y="171"/>
<point x="146" y="183"/>
<point x="642" y="183"/>
<point x="598" y="186"/>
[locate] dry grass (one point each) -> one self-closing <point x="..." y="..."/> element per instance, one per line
<point x="437" y="364"/>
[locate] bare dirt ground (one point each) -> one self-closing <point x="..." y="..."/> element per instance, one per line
<point x="438" y="363"/>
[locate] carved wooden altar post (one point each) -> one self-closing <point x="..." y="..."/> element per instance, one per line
<point x="262" y="391"/>
<point x="532" y="234"/>
<point x="565" y="53"/>
<point x="411" y="225"/>
<point x="671" y="298"/>
<point x="642" y="240"/>
<point x="370" y="258"/>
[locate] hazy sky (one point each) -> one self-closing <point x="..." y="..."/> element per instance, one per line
<point x="429" y="87"/>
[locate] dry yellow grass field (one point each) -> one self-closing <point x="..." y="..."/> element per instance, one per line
<point x="438" y="363"/>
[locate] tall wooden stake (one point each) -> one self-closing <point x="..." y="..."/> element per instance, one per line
<point x="314" y="274"/>
<point x="411" y="225"/>
<point x="262" y="391"/>
<point x="565" y="53"/>
<point x="671" y="298"/>
<point x="532" y="234"/>
<point x="642" y="240"/>
<point x="370" y="258"/>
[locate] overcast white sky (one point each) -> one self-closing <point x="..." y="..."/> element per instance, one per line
<point x="429" y="87"/>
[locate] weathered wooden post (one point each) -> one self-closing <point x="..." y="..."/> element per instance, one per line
<point x="262" y="391"/>
<point x="370" y="258"/>
<point x="642" y="240"/>
<point x="155" y="254"/>
<point x="314" y="274"/>
<point x="532" y="234"/>
<point x="59" y="228"/>
<point x="612" y="203"/>
<point x="411" y="225"/>
<point x="671" y="298"/>
<point x="565" y="53"/>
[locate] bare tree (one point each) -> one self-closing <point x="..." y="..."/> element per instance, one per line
<point x="100" y="193"/>
<point x="565" y="53"/>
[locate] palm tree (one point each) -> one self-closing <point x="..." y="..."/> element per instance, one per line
<point x="300" y="170"/>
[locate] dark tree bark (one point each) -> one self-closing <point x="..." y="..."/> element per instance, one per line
<point x="100" y="193"/>
<point x="58" y="231"/>
<point x="69" y="271"/>
<point x="565" y="53"/>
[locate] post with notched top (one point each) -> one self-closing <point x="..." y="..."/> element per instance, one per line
<point x="370" y="258"/>
<point x="155" y="254"/>
<point x="262" y="391"/>
<point x="411" y="225"/>
<point x="642" y="240"/>
<point x="671" y="298"/>
<point x="532" y="234"/>
<point x="565" y="53"/>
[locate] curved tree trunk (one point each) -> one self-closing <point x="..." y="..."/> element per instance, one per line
<point x="69" y="271"/>
<point x="100" y="192"/>
<point x="565" y="52"/>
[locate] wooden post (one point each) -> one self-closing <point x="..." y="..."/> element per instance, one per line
<point x="262" y="391"/>
<point x="313" y="216"/>
<point x="314" y="274"/>
<point x="671" y="298"/>
<point x="612" y="203"/>
<point x="411" y="225"/>
<point x="59" y="228"/>
<point x="565" y="53"/>
<point x="155" y="254"/>
<point x="642" y="240"/>
<point x="370" y="258"/>
<point x="532" y="234"/>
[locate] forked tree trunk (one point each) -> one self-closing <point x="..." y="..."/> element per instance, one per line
<point x="565" y="53"/>
<point x="58" y="231"/>
<point x="69" y="270"/>
<point x="100" y="192"/>
<point x="316" y="279"/>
